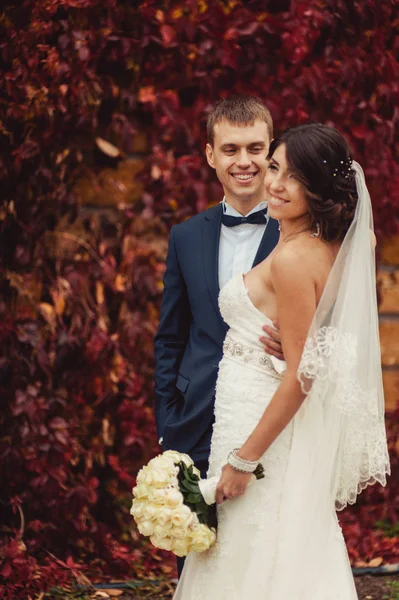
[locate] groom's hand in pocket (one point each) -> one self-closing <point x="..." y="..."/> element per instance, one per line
<point x="231" y="484"/>
<point x="272" y="341"/>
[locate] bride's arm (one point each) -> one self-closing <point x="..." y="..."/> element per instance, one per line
<point x="295" y="291"/>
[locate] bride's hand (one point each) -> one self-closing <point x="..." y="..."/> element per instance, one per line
<point x="231" y="484"/>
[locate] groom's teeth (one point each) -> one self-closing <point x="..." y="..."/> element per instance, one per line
<point x="243" y="177"/>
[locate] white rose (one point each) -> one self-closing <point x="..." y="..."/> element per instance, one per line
<point x="147" y="478"/>
<point x="161" y="477"/>
<point x="157" y="476"/>
<point x="173" y="498"/>
<point x="180" y="547"/>
<point x="201" y="538"/>
<point x="141" y="475"/>
<point x="174" y="482"/>
<point x="137" y="508"/>
<point x="182" y="518"/>
<point x="164" y="517"/>
<point x="163" y="528"/>
<point x="179" y="534"/>
<point x="153" y="463"/>
<point x="160" y="530"/>
<point x="146" y="527"/>
<point x="173" y="455"/>
<point x="167" y="527"/>
<point x="186" y="459"/>
<point x="140" y="491"/>
<point x="157" y="495"/>
<point x="162" y="462"/>
<point x="150" y="511"/>
<point x="162" y="542"/>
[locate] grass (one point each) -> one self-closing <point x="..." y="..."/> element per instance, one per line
<point x="393" y="587"/>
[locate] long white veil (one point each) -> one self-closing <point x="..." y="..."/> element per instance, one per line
<point x="339" y="442"/>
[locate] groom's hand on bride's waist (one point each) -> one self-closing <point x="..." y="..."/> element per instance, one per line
<point x="272" y="341"/>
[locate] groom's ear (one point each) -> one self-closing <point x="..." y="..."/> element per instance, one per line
<point x="209" y="156"/>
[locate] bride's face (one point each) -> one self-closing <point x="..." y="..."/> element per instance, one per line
<point x="285" y="194"/>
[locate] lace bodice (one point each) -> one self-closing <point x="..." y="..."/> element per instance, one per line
<point x="243" y="318"/>
<point x="245" y="322"/>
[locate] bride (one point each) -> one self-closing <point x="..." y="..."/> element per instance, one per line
<point x="316" y="422"/>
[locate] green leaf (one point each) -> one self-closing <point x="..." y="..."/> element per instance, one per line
<point x="191" y="487"/>
<point x="193" y="476"/>
<point x="194" y="498"/>
<point x="259" y="471"/>
<point x="201" y="510"/>
<point x="183" y="469"/>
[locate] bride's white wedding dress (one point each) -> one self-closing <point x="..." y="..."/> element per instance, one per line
<point x="258" y="532"/>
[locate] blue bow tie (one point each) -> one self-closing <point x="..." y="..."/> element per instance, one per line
<point x="257" y="218"/>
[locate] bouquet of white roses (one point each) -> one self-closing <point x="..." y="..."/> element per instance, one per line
<point x="171" y="504"/>
<point x="168" y="505"/>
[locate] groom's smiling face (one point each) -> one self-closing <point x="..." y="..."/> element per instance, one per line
<point x="238" y="156"/>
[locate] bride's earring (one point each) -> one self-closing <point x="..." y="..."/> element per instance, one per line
<point x="316" y="233"/>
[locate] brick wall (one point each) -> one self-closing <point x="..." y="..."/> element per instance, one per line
<point x="122" y="186"/>
<point x="388" y="279"/>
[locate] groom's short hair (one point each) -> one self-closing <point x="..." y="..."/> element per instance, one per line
<point x="238" y="110"/>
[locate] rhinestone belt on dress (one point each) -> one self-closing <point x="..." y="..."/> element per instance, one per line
<point x="249" y="354"/>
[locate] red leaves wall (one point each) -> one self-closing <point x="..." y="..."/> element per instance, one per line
<point x="80" y="288"/>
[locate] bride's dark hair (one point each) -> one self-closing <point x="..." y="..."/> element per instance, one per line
<point x="321" y="159"/>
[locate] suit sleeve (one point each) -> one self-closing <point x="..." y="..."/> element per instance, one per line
<point x="172" y="335"/>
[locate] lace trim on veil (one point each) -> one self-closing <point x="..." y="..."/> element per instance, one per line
<point x="328" y="373"/>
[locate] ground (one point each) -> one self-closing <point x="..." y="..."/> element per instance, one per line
<point x="368" y="588"/>
<point x="377" y="588"/>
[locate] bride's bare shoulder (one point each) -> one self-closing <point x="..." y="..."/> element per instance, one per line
<point x="301" y="256"/>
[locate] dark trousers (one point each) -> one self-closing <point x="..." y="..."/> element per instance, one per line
<point x="202" y="465"/>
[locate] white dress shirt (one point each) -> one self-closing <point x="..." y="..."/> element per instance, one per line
<point x="238" y="245"/>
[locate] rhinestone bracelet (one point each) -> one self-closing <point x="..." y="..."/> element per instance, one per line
<point x="241" y="464"/>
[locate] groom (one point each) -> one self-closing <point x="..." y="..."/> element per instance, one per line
<point x="204" y="253"/>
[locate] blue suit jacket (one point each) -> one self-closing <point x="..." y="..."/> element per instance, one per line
<point x="188" y="344"/>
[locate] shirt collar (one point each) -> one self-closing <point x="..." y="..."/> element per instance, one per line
<point x="229" y="210"/>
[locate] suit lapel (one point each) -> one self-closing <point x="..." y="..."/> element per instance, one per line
<point x="268" y="242"/>
<point x="210" y="252"/>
